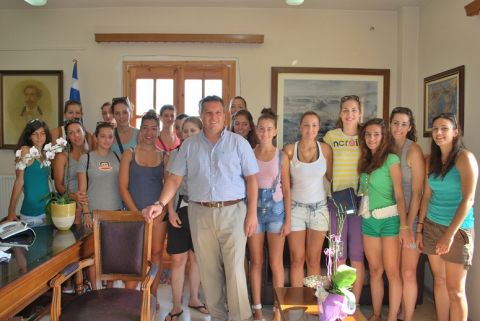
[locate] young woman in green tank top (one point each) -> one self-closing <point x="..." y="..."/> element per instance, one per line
<point x="385" y="227"/>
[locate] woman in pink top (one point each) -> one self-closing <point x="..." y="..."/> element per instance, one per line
<point x="167" y="140"/>
<point x="273" y="208"/>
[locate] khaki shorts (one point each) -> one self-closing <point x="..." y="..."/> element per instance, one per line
<point x="461" y="251"/>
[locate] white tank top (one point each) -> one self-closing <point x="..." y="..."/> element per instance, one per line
<point x="307" y="178"/>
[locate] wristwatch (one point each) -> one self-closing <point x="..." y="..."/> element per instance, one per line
<point x="159" y="203"/>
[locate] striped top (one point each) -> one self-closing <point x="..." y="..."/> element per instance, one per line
<point x="346" y="152"/>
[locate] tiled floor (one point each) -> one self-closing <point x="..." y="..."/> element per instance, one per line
<point x="424" y="312"/>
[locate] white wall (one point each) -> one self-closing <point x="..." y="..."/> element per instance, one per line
<point x="50" y="39"/>
<point x="448" y="38"/>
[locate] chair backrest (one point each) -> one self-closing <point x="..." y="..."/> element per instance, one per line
<point x="122" y="245"/>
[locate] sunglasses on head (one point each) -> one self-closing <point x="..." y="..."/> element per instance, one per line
<point x="402" y="110"/>
<point x="349" y="97"/>
<point x="450" y="116"/>
<point x="123" y="100"/>
<point x="72" y="121"/>
<point x="104" y="123"/>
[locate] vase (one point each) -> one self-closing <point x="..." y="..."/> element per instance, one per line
<point x="337" y="253"/>
<point x="63" y="215"/>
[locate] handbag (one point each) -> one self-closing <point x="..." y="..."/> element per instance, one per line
<point x="345" y="201"/>
<point x="363" y="210"/>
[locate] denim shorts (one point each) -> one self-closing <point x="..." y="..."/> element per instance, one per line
<point x="270" y="214"/>
<point x="313" y="216"/>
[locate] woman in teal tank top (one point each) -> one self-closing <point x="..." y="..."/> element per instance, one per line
<point x="32" y="179"/>
<point x="445" y="227"/>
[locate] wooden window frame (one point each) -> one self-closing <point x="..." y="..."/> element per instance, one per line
<point x="179" y="71"/>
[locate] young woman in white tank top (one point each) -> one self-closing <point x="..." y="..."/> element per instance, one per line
<point x="310" y="162"/>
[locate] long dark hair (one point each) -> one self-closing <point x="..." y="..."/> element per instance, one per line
<point x="369" y="162"/>
<point x="436" y="166"/>
<point x="33" y="125"/>
<point x="252" y="135"/>
<point x="68" y="123"/>
<point x="412" y="133"/>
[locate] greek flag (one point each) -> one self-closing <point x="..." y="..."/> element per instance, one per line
<point x="74" y="90"/>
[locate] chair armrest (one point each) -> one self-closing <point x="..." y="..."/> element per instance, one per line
<point x="56" y="284"/>
<point x="145" y="287"/>
<point x="152" y="272"/>
<point x="69" y="271"/>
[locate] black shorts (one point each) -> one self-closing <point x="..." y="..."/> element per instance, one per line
<point x="179" y="239"/>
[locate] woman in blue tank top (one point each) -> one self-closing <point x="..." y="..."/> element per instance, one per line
<point x="141" y="182"/>
<point x="445" y="225"/>
<point x="32" y="179"/>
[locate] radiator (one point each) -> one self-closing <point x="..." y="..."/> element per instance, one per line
<point x="6" y="185"/>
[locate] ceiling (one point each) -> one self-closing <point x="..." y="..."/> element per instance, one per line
<point x="309" y="4"/>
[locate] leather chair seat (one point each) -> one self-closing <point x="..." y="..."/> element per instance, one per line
<point x="112" y="304"/>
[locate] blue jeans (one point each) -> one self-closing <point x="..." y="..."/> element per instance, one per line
<point x="270" y="214"/>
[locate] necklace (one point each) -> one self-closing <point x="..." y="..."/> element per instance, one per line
<point x="307" y="150"/>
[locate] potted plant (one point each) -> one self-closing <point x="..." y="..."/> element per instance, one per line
<point x="61" y="209"/>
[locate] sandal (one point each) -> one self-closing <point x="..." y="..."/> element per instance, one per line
<point x="200" y="308"/>
<point x="257" y="307"/>
<point x="173" y="315"/>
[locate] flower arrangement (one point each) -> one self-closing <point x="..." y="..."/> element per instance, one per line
<point x="44" y="158"/>
<point x="335" y="300"/>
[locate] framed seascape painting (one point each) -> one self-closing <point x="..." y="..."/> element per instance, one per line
<point x="443" y="93"/>
<point x="296" y="90"/>
<point x="27" y="95"/>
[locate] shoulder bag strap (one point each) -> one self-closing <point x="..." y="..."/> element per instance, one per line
<point x="117" y="137"/>
<point x="279" y="174"/>
<point x="88" y="165"/>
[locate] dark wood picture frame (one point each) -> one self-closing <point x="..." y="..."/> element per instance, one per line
<point x="298" y="89"/>
<point x="43" y="89"/>
<point x="443" y="93"/>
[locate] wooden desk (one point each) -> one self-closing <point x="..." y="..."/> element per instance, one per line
<point x="303" y="299"/>
<point x="28" y="273"/>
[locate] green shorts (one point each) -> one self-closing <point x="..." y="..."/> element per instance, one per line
<point x="374" y="227"/>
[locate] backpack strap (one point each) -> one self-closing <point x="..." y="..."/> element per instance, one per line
<point x="119" y="143"/>
<point x="116" y="155"/>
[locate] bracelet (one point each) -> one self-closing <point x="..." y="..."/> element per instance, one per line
<point x="404" y="227"/>
<point x="420" y="223"/>
<point x="159" y="203"/>
<point x="419" y="232"/>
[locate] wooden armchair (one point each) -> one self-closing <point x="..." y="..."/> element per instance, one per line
<point x="122" y="242"/>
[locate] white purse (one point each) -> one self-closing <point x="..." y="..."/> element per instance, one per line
<point x="363" y="210"/>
